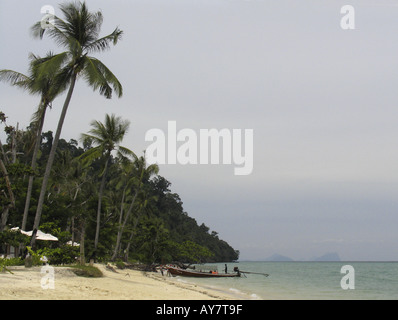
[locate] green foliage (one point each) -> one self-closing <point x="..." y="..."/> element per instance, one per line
<point x="152" y="240"/>
<point x="36" y="257"/>
<point x="13" y="238"/>
<point x="86" y="271"/>
<point x="183" y="228"/>
<point x="138" y="210"/>
<point x="53" y="229"/>
<point x="12" y="262"/>
<point x="120" y="264"/>
<point x="3" y="266"/>
<point x="157" y="230"/>
<point x="191" y="252"/>
<point x="4" y="263"/>
<point x="62" y="255"/>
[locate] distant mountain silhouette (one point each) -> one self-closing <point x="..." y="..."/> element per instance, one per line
<point x="278" y="257"/>
<point x="331" y="256"/>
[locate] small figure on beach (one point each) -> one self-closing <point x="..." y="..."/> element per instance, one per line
<point x="226" y="268"/>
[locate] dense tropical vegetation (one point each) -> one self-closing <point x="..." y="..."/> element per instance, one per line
<point x="97" y="193"/>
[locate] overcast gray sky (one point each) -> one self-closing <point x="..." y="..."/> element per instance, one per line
<point x="322" y="102"/>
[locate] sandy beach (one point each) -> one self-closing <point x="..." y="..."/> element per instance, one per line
<point x="26" y="284"/>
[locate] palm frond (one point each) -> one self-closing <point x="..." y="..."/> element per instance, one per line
<point x="153" y="169"/>
<point x="90" y="155"/>
<point x="104" y="43"/>
<point x="127" y="152"/>
<point x="56" y="31"/>
<point x="15" y="78"/>
<point x="81" y="24"/>
<point x="100" y="77"/>
<point x="96" y="79"/>
<point x="50" y="82"/>
<point x="94" y="137"/>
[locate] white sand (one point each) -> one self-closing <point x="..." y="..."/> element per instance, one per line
<point x="25" y="283"/>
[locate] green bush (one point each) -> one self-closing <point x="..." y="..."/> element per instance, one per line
<point x="11" y="262"/>
<point x="87" y="271"/>
<point x="120" y="264"/>
<point x="35" y="258"/>
<point x="4" y="263"/>
<point x="62" y="255"/>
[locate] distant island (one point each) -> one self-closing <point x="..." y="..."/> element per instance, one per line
<point x="330" y="256"/>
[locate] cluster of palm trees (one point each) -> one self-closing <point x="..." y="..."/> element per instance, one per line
<point x="50" y="76"/>
<point x="103" y="175"/>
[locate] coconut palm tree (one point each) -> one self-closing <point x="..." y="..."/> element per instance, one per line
<point x="11" y="198"/>
<point x="49" y="89"/>
<point x="145" y="206"/>
<point x="78" y="33"/>
<point x="140" y="173"/>
<point x="107" y="138"/>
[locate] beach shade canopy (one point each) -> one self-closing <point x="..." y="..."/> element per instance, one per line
<point x="73" y="244"/>
<point x="40" y="235"/>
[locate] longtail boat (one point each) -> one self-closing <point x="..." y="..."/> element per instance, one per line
<point x="193" y="273"/>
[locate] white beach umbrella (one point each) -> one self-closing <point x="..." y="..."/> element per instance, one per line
<point x="74" y="244"/>
<point x="40" y="235"/>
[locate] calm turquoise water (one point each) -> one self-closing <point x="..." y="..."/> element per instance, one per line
<point x="307" y="280"/>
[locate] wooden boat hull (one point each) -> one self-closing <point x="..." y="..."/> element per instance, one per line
<point x="188" y="273"/>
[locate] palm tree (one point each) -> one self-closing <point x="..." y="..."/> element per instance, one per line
<point x="141" y="173"/>
<point x="79" y="35"/>
<point x="48" y="89"/>
<point x="3" y="170"/>
<point x="107" y="138"/>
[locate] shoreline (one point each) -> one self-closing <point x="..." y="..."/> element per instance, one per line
<point x="26" y="284"/>
<point x="237" y="294"/>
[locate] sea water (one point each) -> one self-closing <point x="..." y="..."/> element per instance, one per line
<point x="307" y="280"/>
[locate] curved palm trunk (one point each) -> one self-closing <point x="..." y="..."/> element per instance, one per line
<point x="126" y="256"/>
<point x="121" y="229"/>
<point x="82" y="237"/>
<point x="4" y="216"/>
<point x="101" y="192"/>
<point x="33" y="165"/>
<point x="50" y="161"/>
<point x="116" y="250"/>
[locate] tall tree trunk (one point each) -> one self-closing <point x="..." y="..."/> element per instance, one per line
<point x="116" y="250"/>
<point x="33" y="165"/>
<point x="73" y="218"/>
<point x="14" y="144"/>
<point x="4" y="216"/>
<point x="73" y="229"/>
<point x="100" y="194"/>
<point x="82" y="236"/>
<point x="121" y="230"/>
<point x="50" y="162"/>
<point x="126" y="256"/>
